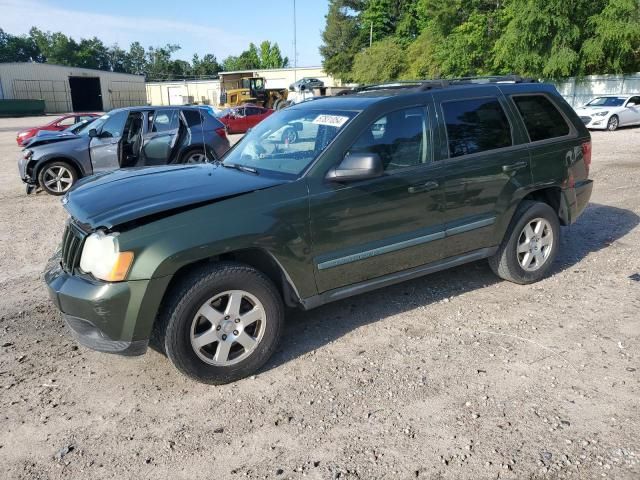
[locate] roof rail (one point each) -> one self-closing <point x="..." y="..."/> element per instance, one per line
<point x="429" y="84"/>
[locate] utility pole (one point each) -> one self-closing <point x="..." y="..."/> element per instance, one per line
<point x="295" y="45"/>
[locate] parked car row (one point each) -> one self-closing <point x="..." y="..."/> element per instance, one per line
<point x="126" y="137"/>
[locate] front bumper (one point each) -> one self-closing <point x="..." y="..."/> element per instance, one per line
<point x="595" y="122"/>
<point x="101" y="316"/>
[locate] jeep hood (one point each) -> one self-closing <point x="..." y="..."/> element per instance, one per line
<point x="115" y="198"/>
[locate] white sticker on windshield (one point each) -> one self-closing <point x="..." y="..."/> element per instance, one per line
<point x="331" y="120"/>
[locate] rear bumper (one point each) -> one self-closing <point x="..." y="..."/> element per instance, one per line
<point x="101" y="316"/>
<point x="575" y="200"/>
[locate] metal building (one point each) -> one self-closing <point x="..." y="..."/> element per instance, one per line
<point x="206" y="92"/>
<point x="70" y="89"/>
<point x="180" y="92"/>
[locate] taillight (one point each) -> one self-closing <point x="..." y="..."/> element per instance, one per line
<point x="222" y="132"/>
<point x="586" y="155"/>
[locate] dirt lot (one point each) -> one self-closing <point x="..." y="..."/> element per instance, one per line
<point x="456" y="376"/>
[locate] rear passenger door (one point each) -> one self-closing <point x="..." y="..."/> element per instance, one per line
<point x="486" y="160"/>
<point x="162" y="131"/>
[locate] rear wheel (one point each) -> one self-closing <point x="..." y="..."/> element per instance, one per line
<point x="613" y="123"/>
<point x="530" y="245"/>
<point x="222" y="323"/>
<point x="56" y="178"/>
<point x="194" y="156"/>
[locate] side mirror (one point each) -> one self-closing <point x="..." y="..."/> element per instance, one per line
<point x="93" y="133"/>
<point x="357" y="166"/>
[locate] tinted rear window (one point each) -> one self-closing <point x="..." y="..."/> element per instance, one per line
<point x="476" y="125"/>
<point x="541" y="117"/>
<point x="192" y="117"/>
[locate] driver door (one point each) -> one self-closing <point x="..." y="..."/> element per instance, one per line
<point x="104" y="149"/>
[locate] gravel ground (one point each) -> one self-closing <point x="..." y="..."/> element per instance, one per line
<point x="454" y="376"/>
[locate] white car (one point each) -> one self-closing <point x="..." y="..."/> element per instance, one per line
<point x="609" y="112"/>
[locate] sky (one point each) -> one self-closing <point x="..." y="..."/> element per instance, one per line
<point x="219" y="27"/>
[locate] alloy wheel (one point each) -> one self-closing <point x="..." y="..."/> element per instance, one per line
<point x="613" y="123"/>
<point x="57" y="178"/>
<point x="227" y="328"/>
<point x="196" y="157"/>
<point x="535" y="244"/>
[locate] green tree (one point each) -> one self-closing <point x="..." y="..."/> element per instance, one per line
<point x="207" y="66"/>
<point x="271" y="57"/>
<point x="18" y="48"/>
<point x="543" y="37"/>
<point x="342" y="38"/>
<point x="614" y="46"/>
<point x="383" y="61"/>
<point x="136" y="61"/>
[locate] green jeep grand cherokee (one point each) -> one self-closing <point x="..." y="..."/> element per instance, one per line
<point x="377" y="187"/>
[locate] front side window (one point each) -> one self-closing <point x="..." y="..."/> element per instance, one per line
<point x="113" y="124"/>
<point x="288" y="141"/>
<point x="541" y="118"/>
<point x="399" y="138"/>
<point x="476" y="125"/>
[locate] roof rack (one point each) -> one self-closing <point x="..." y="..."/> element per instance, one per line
<point x="421" y="85"/>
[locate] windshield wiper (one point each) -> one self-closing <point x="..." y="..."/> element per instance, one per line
<point x="242" y="168"/>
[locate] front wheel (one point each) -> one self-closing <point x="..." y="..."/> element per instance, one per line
<point x="56" y="178"/>
<point x="613" y="123"/>
<point x="222" y="323"/>
<point x="530" y="245"/>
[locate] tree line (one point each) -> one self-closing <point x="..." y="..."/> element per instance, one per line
<point x="370" y="41"/>
<point x="156" y="63"/>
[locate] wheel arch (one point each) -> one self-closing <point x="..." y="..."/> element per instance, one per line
<point x="58" y="158"/>
<point x="257" y="258"/>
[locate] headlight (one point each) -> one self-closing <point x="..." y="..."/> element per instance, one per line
<point x="23" y="134"/>
<point x="101" y="257"/>
<point x="601" y="114"/>
<point x="27" y="154"/>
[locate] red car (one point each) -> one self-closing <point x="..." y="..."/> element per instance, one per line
<point x="61" y="123"/>
<point x="241" y="119"/>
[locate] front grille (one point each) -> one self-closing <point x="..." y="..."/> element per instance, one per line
<point x="585" y="120"/>
<point x="72" y="242"/>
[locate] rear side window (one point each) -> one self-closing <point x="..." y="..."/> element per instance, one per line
<point x="163" y="120"/>
<point x="192" y="117"/>
<point x="476" y="125"/>
<point x="541" y="117"/>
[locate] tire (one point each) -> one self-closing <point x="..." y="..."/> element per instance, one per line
<point x="206" y="294"/>
<point x="509" y="260"/>
<point x="613" y="123"/>
<point x="56" y="178"/>
<point x="194" y="156"/>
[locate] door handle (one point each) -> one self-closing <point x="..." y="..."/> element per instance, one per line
<point x="514" y="166"/>
<point x="423" y="187"/>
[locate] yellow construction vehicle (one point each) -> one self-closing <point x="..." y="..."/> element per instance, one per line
<point x="238" y="90"/>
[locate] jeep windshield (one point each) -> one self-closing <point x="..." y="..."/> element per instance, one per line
<point x="288" y="141"/>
